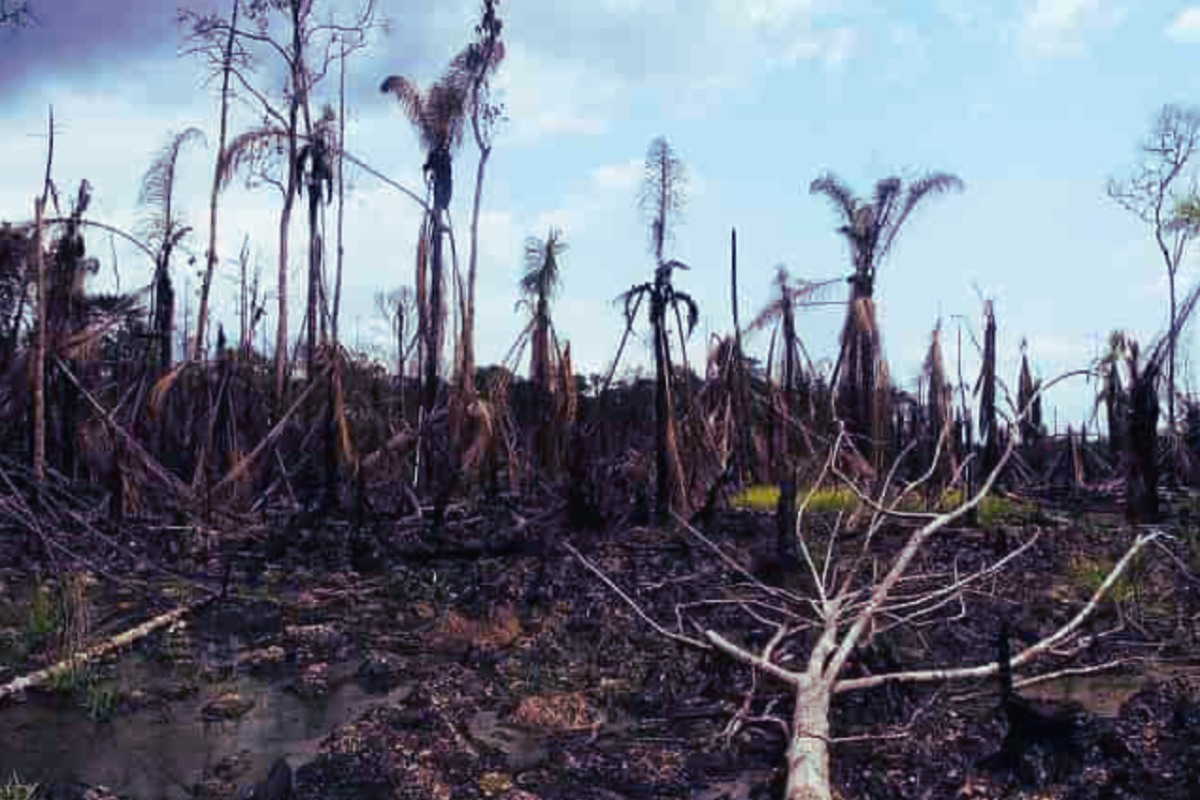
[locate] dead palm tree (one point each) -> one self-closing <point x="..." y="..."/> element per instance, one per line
<point x="314" y="167"/>
<point x="439" y="116"/>
<point x="163" y="230"/>
<point x="870" y="227"/>
<point x="940" y="415"/>
<point x="538" y="282"/>
<point x="1027" y="389"/>
<point x="781" y="312"/>
<point x="662" y="197"/>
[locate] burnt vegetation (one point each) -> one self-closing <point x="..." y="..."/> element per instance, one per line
<point x="778" y="510"/>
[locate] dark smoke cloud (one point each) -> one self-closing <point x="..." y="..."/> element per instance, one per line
<point x="105" y="44"/>
<point x="83" y="42"/>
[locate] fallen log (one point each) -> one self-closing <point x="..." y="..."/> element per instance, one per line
<point x="120" y="640"/>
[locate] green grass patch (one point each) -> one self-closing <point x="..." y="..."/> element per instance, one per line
<point x="1089" y="573"/>
<point x="991" y="510"/>
<point x="829" y="498"/>
<point x="761" y="497"/>
<point x="765" y="497"/>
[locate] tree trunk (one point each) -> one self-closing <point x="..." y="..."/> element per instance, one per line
<point x="540" y="378"/>
<point x="202" y="317"/>
<point x="37" y="363"/>
<point x="430" y="458"/>
<point x="742" y="458"/>
<point x="1171" y="357"/>
<point x="285" y="217"/>
<point x="468" y="357"/>
<point x="987" y="398"/>
<point x="341" y="189"/>
<point x="1142" y="460"/>
<point x="808" y="752"/>
<point x="164" y="310"/>
<point x="661" y="367"/>
<point x="314" y="275"/>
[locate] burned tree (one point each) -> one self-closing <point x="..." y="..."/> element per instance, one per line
<point x="794" y="411"/>
<point x="483" y="57"/>
<point x="870" y="228"/>
<point x="538" y="282"/>
<point x="662" y="197"/>
<point x="315" y="165"/>
<point x="163" y="229"/>
<point x="985" y="387"/>
<point x="939" y="402"/>
<point x="279" y="137"/>
<point x="1150" y="194"/>
<point x="812" y="643"/>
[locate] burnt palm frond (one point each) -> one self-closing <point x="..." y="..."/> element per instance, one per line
<point x="438" y="114"/>
<point x="663" y="192"/>
<point x="317" y="156"/>
<point x="886" y="192"/>
<point x="627" y="297"/>
<point x="693" y="310"/>
<point x="158" y="186"/>
<point x="247" y="149"/>
<point x="475" y="62"/>
<point x="412" y="101"/>
<point x="838" y="193"/>
<point x="934" y="183"/>
<point x="542" y="263"/>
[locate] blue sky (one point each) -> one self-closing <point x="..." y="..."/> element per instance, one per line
<point x="1033" y="104"/>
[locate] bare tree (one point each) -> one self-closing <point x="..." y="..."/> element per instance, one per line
<point x="281" y="130"/>
<point x="1151" y="194"/>
<point x="844" y="610"/>
<point x="226" y="64"/>
<point x="37" y="364"/>
<point x="486" y="55"/>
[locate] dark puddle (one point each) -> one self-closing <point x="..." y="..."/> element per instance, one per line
<point x="160" y="744"/>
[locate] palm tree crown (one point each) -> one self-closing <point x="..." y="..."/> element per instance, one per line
<point x="871" y="227"/>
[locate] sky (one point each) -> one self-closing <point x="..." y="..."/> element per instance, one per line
<point x="1034" y="104"/>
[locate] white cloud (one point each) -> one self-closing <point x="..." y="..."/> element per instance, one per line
<point x="1056" y="27"/>
<point x="547" y="96"/>
<point x="1186" y="26"/>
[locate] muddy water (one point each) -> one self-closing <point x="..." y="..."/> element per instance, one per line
<point x="161" y="751"/>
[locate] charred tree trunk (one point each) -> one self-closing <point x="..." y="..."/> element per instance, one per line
<point x="1115" y="406"/>
<point x="37" y="362"/>
<point x="987" y="398"/>
<point x="314" y="276"/>
<point x="1141" y="473"/>
<point x="663" y="477"/>
<point x="211" y="261"/>
<point x="661" y="405"/>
